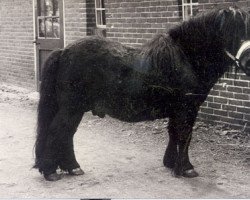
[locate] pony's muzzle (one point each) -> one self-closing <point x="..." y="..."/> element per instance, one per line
<point x="243" y="56"/>
<point x="245" y="61"/>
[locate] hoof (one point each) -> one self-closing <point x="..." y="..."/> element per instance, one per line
<point x="175" y="175"/>
<point x="53" y="177"/>
<point x="76" y="172"/>
<point x="190" y="173"/>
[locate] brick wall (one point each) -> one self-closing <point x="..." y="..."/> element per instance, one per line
<point x="209" y="4"/>
<point x="229" y="101"/>
<point x="79" y="19"/>
<point x="16" y="47"/>
<point x="137" y="21"/>
<point x="75" y="20"/>
<point x="91" y="21"/>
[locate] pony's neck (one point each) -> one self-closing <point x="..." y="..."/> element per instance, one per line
<point x="204" y="49"/>
<point x="198" y="39"/>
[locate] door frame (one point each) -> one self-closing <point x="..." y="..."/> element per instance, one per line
<point x="35" y="37"/>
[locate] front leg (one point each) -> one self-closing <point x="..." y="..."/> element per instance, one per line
<point x="180" y="133"/>
<point x="171" y="153"/>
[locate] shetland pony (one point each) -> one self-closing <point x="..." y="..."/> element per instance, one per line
<point x="170" y="76"/>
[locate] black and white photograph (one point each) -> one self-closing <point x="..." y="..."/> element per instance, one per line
<point x="124" y="99"/>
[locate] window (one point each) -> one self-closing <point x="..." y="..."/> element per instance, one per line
<point x="48" y="19"/>
<point x="100" y="13"/>
<point x="189" y="8"/>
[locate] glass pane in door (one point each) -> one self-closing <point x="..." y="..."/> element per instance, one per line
<point x="41" y="28"/>
<point x="48" y="19"/>
<point x="49" y="8"/>
<point x="56" y="27"/>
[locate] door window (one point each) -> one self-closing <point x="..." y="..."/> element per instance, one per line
<point x="48" y="19"/>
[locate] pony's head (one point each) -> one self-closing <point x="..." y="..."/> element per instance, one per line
<point x="233" y="26"/>
<point x="243" y="57"/>
<point x="234" y="30"/>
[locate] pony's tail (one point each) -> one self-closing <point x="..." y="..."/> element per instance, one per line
<point x="47" y="106"/>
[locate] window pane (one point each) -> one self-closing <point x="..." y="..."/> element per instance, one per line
<point x="56" y="27"/>
<point x="103" y="17"/>
<point x="102" y="3"/>
<point x="41" y="11"/>
<point x="99" y="17"/>
<point x="98" y="4"/>
<point x="186" y="1"/>
<point x="195" y="10"/>
<point x="48" y="8"/>
<point x="195" y="1"/>
<point x="55" y="8"/>
<point x="49" y="28"/>
<point x="186" y="12"/>
<point x="41" y="28"/>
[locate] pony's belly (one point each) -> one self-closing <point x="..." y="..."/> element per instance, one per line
<point x="138" y="111"/>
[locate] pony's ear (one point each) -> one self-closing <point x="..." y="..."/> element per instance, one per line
<point x="221" y="17"/>
<point x="224" y="16"/>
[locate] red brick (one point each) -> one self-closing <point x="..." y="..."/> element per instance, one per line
<point x="221" y="100"/>
<point x="246" y="104"/>
<point x="243" y="110"/>
<point x="235" y="115"/>
<point x="241" y="96"/>
<point x="234" y="89"/>
<point x="229" y="107"/>
<point x="207" y="110"/>
<point x="221" y="113"/>
<point x="215" y="92"/>
<point x="227" y="94"/>
<point x="232" y="120"/>
<point x="214" y="105"/>
<point x="213" y="117"/>
<point x="235" y="102"/>
<point x="241" y="83"/>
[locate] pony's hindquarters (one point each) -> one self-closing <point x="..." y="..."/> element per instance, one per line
<point x="59" y="113"/>
<point x="47" y="107"/>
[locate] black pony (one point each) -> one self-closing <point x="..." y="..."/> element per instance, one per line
<point x="170" y="76"/>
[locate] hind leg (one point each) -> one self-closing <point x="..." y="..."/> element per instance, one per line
<point x="59" y="148"/>
<point x="67" y="158"/>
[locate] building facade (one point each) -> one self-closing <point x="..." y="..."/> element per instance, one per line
<point x="31" y="29"/>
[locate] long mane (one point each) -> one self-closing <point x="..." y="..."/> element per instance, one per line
<point x="204" y="37"/>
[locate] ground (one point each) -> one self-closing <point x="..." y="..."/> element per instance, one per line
<point x="120" y="160"/>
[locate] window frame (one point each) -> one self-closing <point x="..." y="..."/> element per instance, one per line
<point x="191" y="6"/>
<point x="100" y="10"/>
<point x="44" y="18"/>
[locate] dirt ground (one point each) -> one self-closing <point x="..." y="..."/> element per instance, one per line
<point x="120" y="160"/>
